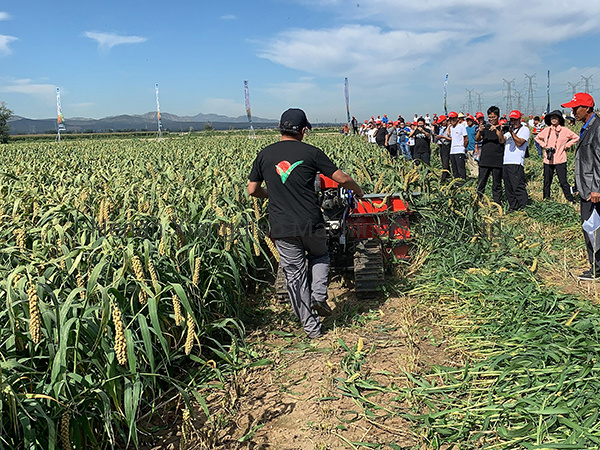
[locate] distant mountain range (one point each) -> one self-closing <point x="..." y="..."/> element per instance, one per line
<point x="148" y="121"/>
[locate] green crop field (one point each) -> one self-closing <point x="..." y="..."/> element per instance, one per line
<point x="126" y="269"/>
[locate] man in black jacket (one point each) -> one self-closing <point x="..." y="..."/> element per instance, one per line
<point x="587" y="170"/>
<point x="492" y="153"/>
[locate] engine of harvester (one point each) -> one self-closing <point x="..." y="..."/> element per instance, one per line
<point x="336" y="204"/>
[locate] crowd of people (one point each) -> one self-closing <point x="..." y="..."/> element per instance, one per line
<point x="494" y="146"/>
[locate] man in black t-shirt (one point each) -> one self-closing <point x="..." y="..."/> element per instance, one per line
<point x="422" y="136"/>
<point x="492" y="154"/>
<point x="381" y="134"/>
<point x="289" y="169"/>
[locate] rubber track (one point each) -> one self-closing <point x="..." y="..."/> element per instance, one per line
<point x="368" y="266"/>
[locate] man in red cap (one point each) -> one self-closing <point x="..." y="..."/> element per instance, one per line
<point x="480" y="119"/>
<point x="422" y="140"/>
<point x="513" y="171"/>
<point x="459" y="140"/>
<point x="403" y="131"/>
<point x="587" y="169"/>
<point x="471" y="132"/>
<point x="537" y="127"/>
<point x="444" y="146"/>
<point x="381" y="133"/>
<point x="391" y="139"/>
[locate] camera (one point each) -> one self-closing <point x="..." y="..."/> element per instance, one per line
<point x="506" y="127"/>
<point x="550" y="152"/>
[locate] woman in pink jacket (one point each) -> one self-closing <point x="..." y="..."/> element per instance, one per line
<point x="555" y="138"/>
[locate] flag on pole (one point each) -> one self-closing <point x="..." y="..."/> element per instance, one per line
<point x="158" y="109"/>
<point x="59" y="113"/>
<point x="347" y="98"/>
<point x="247" y="101"/>
<point x="248" y="113"/>
<point x="548" y="89"/>
<point x="445" y="94"/>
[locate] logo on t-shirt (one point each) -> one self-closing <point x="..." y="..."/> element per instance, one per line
<point x="284" y="169"/>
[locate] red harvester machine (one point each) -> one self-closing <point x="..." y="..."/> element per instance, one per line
<point x="364" y="235"/>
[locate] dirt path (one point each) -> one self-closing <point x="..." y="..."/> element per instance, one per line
<point x="309" y="398"/>
<point x="298" y="401"/>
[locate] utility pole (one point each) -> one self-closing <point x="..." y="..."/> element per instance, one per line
<point x="573" y="87"/>
<point x="509" y="84"/>
<point x="470" y="100"/>
<point x="587" y="83"/>
<point x="530" y="91"/>
<point x="519" y="104"/>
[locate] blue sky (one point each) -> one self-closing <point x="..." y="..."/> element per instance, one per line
<point x="107" y="56"/>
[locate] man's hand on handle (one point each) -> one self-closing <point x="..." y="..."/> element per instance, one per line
<point x="345" y="180"/>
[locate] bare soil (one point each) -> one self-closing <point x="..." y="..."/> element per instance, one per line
<point x="299" y="401"/>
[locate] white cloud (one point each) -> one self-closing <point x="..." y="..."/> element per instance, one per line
<point x="224" y="106"/>
<point x="229" y="17"/>
<point x="364" y="51"/>
<point x="320" y="102"/>
<point x="38" y="96"/>
<point x="82" y="105"/>
<point x="106" y="41"/>
<point x="25" y="86"/>
<point x="4" y="16"/>
<point x="402" y="52"/>
<point x="4" y="41"/>
<point x="290" y="90"/>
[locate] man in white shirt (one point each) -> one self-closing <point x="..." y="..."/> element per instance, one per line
<point x="457" y="133"/>
<point x="371" y="134"/>
<point x="513" y="171"/>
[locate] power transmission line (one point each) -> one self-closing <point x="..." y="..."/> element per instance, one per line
<point x="509" y="84"/>
<point x="587" y="83"/>
<point x="479" y="107"/>
<point x="530" y="91"/>
<point x="470" y="100"/>
<point x="519" y="104"/>
<point x="573" y="87"/>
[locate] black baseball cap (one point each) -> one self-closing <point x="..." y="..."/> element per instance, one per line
<point x="294" y="121"/>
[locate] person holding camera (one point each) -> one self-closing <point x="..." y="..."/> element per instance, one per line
<point x="555" y="139"/>
<point x="422" y="142"/>
<point x="459" y="140"/>
<point x="492" y="153"/>
<point x="444" y="146"/>
<point x="516" y="137"/>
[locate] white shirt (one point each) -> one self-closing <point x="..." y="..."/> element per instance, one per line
<point x="371" y="135"/>
<point x="457" y="134"/>
<point x="512" y="153"/>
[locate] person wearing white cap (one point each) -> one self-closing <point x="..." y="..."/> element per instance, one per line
<point x="587" y="170"/>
